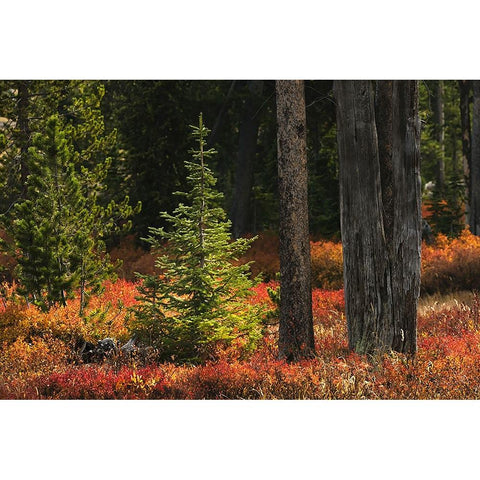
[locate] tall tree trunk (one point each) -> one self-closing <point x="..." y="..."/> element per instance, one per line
<point x="384" y="123"/>
<point x="247" y="145"/>
<point x="380" y="212"/>
<point x="474" y="217"/>
<point x="296" y="324"/>
<point x="439" y="121"/>
<point x="221" y="113"/>
<point x="405" y="255"/>
<point x="366" y="273"/>
<point x="465" y="88"/>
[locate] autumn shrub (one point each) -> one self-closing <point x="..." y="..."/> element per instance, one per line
<point x="22" y="361"/>
<point x="448" y="264"/>
<point x="447" y="365"/>
<point x="106" y="316"/>
<point x="326" y="256"/>
<point x="451" y="264"/>
<point x="327" y="264"/>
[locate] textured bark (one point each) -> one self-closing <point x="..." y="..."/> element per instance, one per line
<point x="474" y="217"/>
<point x="405" y="255"/>
<point x="380" y="212"/>
<point x="439" y="120"/>
<point x="366" y="274"/>
<point x="465" y="89"/>
<point x="296" y="324"/>
<point x="247" y="145"/>
<point x="384" y="123"/>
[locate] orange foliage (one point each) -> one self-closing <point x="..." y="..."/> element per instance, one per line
<point x="37" y="349"/>
<point x="447" y="265"/>
<point x="447" y="364"/>
<point x="451" y="264"/>
<point x="327" y="264"/>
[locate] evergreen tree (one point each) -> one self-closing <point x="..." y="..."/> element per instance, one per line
<point x="58" y="229"/>
<point x="198" y="301"/>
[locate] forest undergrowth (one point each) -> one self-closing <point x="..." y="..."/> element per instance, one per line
<point x="39" y="350"/>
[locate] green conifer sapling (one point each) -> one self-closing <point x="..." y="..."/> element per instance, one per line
<point x="200" y="298"/>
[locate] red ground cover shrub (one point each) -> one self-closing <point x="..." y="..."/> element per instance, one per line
<point x="36" y="352"/>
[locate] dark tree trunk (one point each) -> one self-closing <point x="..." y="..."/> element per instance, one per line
<point x="474" y="217"/>
<point x="221" y="113"/>
<point x="380" y="212"/>
<point x="247" y="145"/>
<point x="405" y="255"/>
<point x="384" y="122"/>
<point x="439" y="120"/>
<point x="465" y="88"/>
<point x="366" y="273"/>
<point x="296" y="324"/>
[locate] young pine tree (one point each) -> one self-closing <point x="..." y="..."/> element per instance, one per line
<point x="59" y="227"/>
<point x="199" y="300"/>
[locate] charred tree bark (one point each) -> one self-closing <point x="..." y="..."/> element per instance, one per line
<point x="474" y="217"/>
<point x="247" y="145"/>
<point x="465" y="89"/>
<point x="380" y="212"/>
<point x="296" y="324"/>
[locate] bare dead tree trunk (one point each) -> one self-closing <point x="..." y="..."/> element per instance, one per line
<point x="296" y="325"/>
<point x="465" y="89"/>
<point x="474" y="217"/>
<point x="380" y="212"/>
<point x="407" y="238"/>
<point x="247" y="145"/>
<point x="366" y="273"/>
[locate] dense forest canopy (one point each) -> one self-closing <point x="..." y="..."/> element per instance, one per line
<point x="151" y="122"/>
